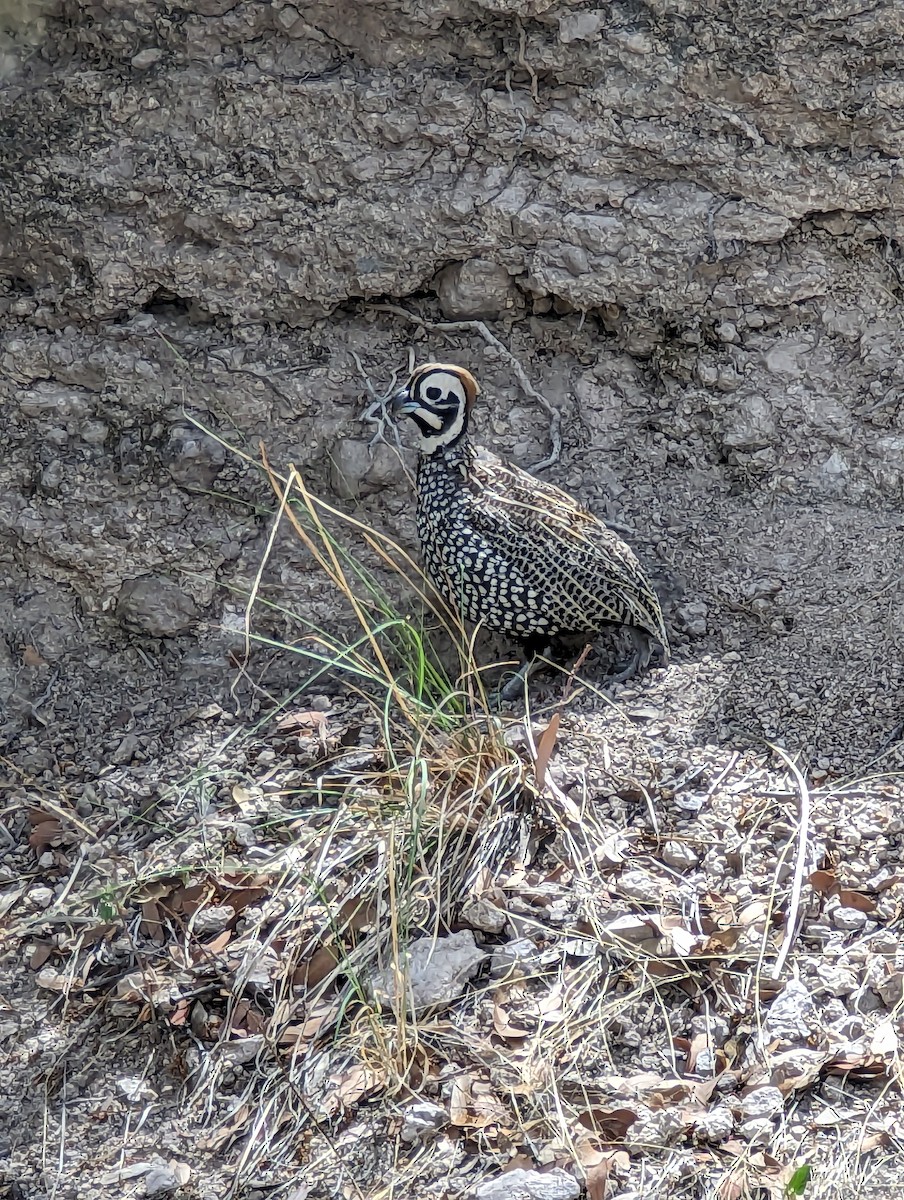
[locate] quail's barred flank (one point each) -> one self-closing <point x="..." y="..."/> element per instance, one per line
<point x="509" y="550"/>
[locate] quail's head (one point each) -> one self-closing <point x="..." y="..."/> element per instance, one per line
<point x="437" y="398"/>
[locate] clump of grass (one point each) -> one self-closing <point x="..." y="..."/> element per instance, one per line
<point x="381" y="857"/>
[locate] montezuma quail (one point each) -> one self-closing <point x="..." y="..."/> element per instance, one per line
<point x="510" y="551"/>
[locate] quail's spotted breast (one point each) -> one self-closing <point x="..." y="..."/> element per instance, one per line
<point x="509" y="550"/>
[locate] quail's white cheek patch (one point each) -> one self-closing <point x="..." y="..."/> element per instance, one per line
<point x="429" y="418"/>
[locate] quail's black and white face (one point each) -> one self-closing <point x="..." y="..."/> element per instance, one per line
<point x="437" y="398"/>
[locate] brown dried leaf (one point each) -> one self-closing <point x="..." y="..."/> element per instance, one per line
<point x="151" y="924"/>
<point x="245" y="797"/>
<point x="823" y="882"/>
<point x="768" y="989"/>
<point x="300" y="1035"/>
<point x="460" y="1100"/>
<point x="504" y="1026"/>
<point x="233" y="1128"/>
<point x="545" y="745"/>
<point x="158" y="889"/>
<point x="732" y="1188"/>
<point x="698" y="1044"/>
<point x="722" y="941"/>
<point x="357" y="914"/>
<point x="179" y="1015"/>
<point x="310" y="973"/>
<point x="520" y="1162"/>
<point x="241" y="899"/>
<point x="796" y="1074"/>
<point x="874" y="1141"/>
<point x="750" y="914"/>
<point x="351" y="1086"/>
<point x="31" y="658"/>
<point x="849" y="899"/>
<point x="597" y="1179"/>
<point x="486" y="1106"/>
<point x="139" y="986"/>
<point x="857" y="1066"/>
<point x="37" y="816"/>
<point x="40" y="955"/>
<point x="45" y="834"/>
<point x="610" y="1125"/>
<point x="218" y="943"/>
<point x="298" y="722"/>
<point x="604" y="1164"/>
<point x="665" y="970"/>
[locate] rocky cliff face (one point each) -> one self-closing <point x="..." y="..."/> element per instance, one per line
<point x="684" y="219"/>
<point x="270" y="162"/>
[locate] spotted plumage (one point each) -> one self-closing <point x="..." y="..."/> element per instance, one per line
<point x="510" y="551"/>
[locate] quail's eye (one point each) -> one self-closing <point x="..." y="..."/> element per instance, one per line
<point x="434" y="393"/>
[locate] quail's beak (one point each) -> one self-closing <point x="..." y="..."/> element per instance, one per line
<point x="402" y="405"/>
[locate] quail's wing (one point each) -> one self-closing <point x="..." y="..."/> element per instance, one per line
<point x="602" y="574"/>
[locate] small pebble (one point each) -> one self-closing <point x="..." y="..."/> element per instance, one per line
<point x="41" y="897"/>
<point x="679" y="855"/>
<point x="849" y="918"/>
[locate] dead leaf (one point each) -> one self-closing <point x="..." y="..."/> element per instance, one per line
<point x="520" y="1162"/>
<point x="768" y="989"/>
<point x="874" y="1141"/>
<point x="240" y="900"/>
<point x="350" y="1087"/>
<point x="295" y="722"/>
<point x="31" y="658"/>
<point x="610" y="1125"/>
<point x="233" y="1127"/>
<point x="460" y="1100"/>
<point x="823" y="882"/>
<point x="45" y="834"/>
<point x="318" y="966"/>
<point x="722" y="941"/>
<point x="750" y="914"/>
<point x="37" y="815"/>
<point x="857" y="1066"/>
<point x="732" y="1188"/>
<point x="246" y="1019"/>
<point x="596" y="1180"/>
<point x="300" y="1035"/>
<point x="797" y="1070"/>
<point x="218" y="943"/>
<point x="151" y="924"/>
<point x="698" y="1044"/>
<point x="545" y="745"/>
<point x="246" y="797"/>
<point x="849" y="899"/>
<point x="40" y="955"/>
<point x="186" y="900"/>
<point x="503" y="1026"/>
<point x="179" y="1015"/>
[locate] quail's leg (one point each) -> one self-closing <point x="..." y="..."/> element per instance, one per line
<point x="515" y="686"/>
<point x="639" y="660"/>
